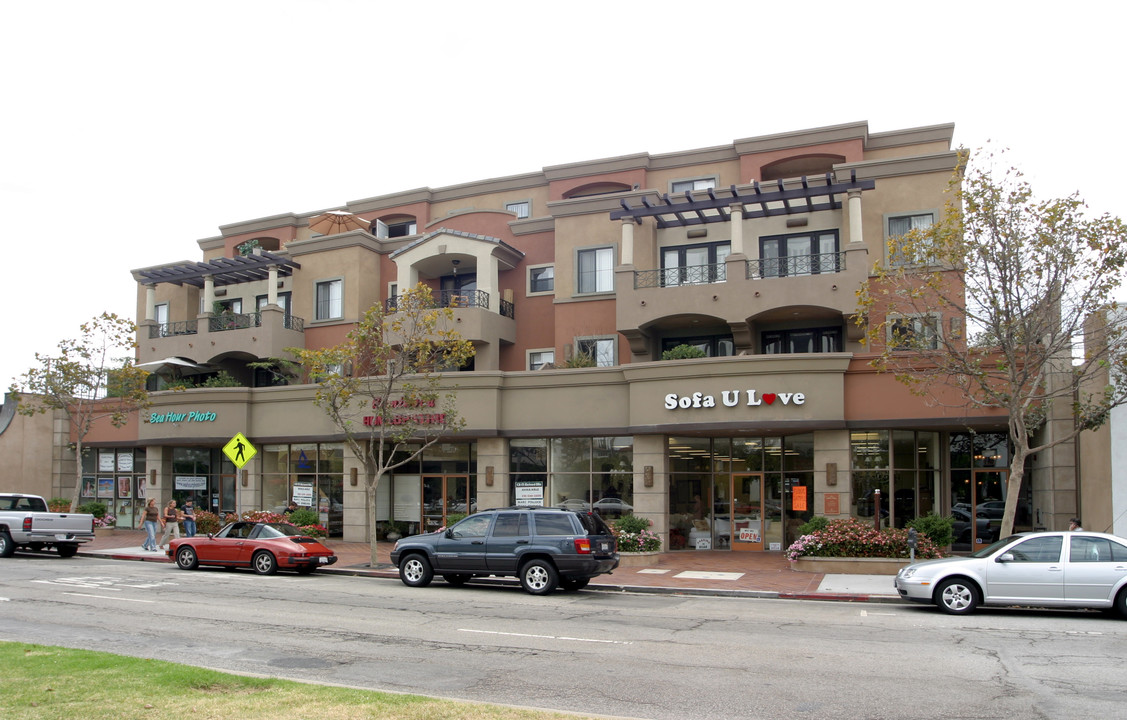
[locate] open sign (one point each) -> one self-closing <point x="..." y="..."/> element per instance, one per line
<point x="747" y="535"/>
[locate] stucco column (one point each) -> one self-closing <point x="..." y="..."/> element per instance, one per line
<point x="737" y="210"/>
<point x="627" y="249"/>
<point x="487" y="281"/>
<point x="855" y="235"/>
<point x="208" y="294"/>
<point x="150" y="302"/>
<point x="272" y="288"/>
<point x="406" y="276"/>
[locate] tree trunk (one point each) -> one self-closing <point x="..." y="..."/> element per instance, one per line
<point x="373" y="534"/>
<point x="1013" y="489"/>
<point x="74" y="500"/>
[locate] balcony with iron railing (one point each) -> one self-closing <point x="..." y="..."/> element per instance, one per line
<point x="475" y="320"/>
<point x="460" y="299"/>
<point x="737" y="291"/>
<point x="266" y="333"/>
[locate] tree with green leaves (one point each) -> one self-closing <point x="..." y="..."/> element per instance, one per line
<point x="986" y="309"/>
<point x="384" y="387"/>
<point x="91" y="378"/>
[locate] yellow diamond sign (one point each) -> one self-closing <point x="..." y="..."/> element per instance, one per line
<point x="239" y="450"/>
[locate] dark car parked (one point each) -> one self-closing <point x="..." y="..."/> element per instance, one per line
<point x="545" y="547"/>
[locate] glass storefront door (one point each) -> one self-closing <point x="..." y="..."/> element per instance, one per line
<point x="977" y="504"/>
<point x="746" y="517"/>
<point x="444" y="495"/>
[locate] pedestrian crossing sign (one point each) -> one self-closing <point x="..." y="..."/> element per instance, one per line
<point x="239" y="450"/>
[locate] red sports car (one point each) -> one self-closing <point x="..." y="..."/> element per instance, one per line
<point x="266" y="547"/>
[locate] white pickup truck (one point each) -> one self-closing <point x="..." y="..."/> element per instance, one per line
<point x="26" y="523"/>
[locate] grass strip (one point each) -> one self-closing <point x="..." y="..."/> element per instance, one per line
<point x="43" y="682"/>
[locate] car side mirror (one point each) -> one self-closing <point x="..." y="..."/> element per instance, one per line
<point x="449" y="534"/>
<point x="1005" y="558"/>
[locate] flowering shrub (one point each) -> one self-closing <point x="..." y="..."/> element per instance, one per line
<point x="58" y="504"/>
<point x="314" y="530"/>
<point x="207" y="522"/>
<point x="107" y="520"/>
<point x="851" y="538"/>
<point x="633" y="535"/>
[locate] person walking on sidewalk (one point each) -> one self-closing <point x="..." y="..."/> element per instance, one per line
<point x="150" y="520"/>
<point x="171" y="522"/>
<point x="189" y="519"/>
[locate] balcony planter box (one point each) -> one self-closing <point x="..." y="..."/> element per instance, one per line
<point x="850" y="566"/>
<point x="104" y="531"/>
<point x="637" y="559"/>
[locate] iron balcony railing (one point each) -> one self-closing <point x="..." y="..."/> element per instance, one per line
<point x="185" y="327"/>
<point x="677" y="276"/>
<point x="460" y="298"/>
<point x="790" y="266"/>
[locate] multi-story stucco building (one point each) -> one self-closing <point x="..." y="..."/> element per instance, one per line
<point x="750" y="251"/>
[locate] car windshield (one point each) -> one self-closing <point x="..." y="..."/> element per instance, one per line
<point x="994" y="547"/>
<point x="275" y="530"/>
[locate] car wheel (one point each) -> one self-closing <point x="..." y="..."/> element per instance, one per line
<point x="67" y="550"/>
<point x="1121" y="603"/>
<point x="7" y="547"/>
<point x="186" y="559"/>
<point x="457" y="579"/>
<point x="956" y="597"/>
<point x="538" y="577"/>
<point x="264" y="563"/>
<point x="415" y="571"/>
<point x="573" y="584"/>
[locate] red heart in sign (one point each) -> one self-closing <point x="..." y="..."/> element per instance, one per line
<point x="769" y="397"/>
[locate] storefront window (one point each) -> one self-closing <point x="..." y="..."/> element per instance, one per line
<point x="310" y="475"/>
<point x="115" y="477"/>
<point x="579" y="473"/>
<point x="906" y="480"/>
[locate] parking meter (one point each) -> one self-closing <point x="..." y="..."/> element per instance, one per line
<point x="913" y="543"/>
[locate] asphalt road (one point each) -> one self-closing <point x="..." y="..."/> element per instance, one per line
<point x="617" y="654"/>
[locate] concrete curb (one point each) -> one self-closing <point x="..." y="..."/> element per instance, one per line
<point x="390" y="573"/>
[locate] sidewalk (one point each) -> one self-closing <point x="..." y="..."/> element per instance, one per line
<point x="700" y="572"/>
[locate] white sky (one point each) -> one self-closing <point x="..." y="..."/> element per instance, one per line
<point x="130" y="130"/>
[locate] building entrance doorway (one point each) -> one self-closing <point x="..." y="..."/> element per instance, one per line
<point x="444" y="495"/>
<point x="978" y="506"/>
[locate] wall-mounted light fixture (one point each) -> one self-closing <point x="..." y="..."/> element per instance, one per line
<point x="831" y="473"/>
<point x="489" y="475"/>
<point x="245" y="478"/>
<point x="352" y="473"/>
<point x="153" y="477"/>
<point x="648" y="475"/>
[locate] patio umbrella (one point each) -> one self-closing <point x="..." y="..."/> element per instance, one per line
<point x="337" y="221"/>
<point x="173" y="366"/>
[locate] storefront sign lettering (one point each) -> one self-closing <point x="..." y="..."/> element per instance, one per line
<point x="174" y="417"/>
<point x="419" y="419"/>
<point x="731" y="398"/>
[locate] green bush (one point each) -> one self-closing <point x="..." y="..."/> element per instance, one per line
<point x="95" y="508"/>
<point x="631" y="524"/>
<point x="683" y="352"/>
<point x="207" y="522"/>
<point x="814" y="524"/>
<point x="939" y="529"/>
<point x="304" y="516"/>
<point x="221" y="379"/>
<point x="452" y="518"/>
<point x="579" y="360"/>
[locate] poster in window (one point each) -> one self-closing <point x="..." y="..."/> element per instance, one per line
<point x="140" y="488"/>
<point x="105" y="462"/>
<point x="105" y="488"/>
<point x="798" y="498"/>
<point x="88" y="487"/>
<point x="125" y="462"/>
<point x="125" y="487"/>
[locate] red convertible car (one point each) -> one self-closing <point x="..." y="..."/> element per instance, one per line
<point x="266" y="547"/>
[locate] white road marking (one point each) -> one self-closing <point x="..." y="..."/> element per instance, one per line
<point x="707" y="575"/>
<point x="652" y="571"/>
<point x="865" y="613"/>
<point x="546" y="637"/>
<point x="110" y="597"/>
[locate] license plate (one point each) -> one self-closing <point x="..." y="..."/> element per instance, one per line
<point x="323" y="560"/>
<point x="605" y="547"/>
<point x="62" y="536"/>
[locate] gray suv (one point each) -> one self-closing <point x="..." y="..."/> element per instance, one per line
<point x="545" y="547"/>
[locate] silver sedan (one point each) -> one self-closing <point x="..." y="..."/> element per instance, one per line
<point x="1045" y="569"/>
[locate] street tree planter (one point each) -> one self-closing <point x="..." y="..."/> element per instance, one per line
<point x="637" y="559"/>
<point x="850" y="566"/>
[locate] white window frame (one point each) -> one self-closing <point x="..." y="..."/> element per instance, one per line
<point x="516" y="207"/>
<point x="529" y="292"/>
<point x="339" y="300"/>
<point x="540" y="359"/>
<point x="708" y="182"/>
<point x="888" y="218"/>
<point x="920" y="322"/>
<point x="604" y="357"/>
<point x="602" y="273"/>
